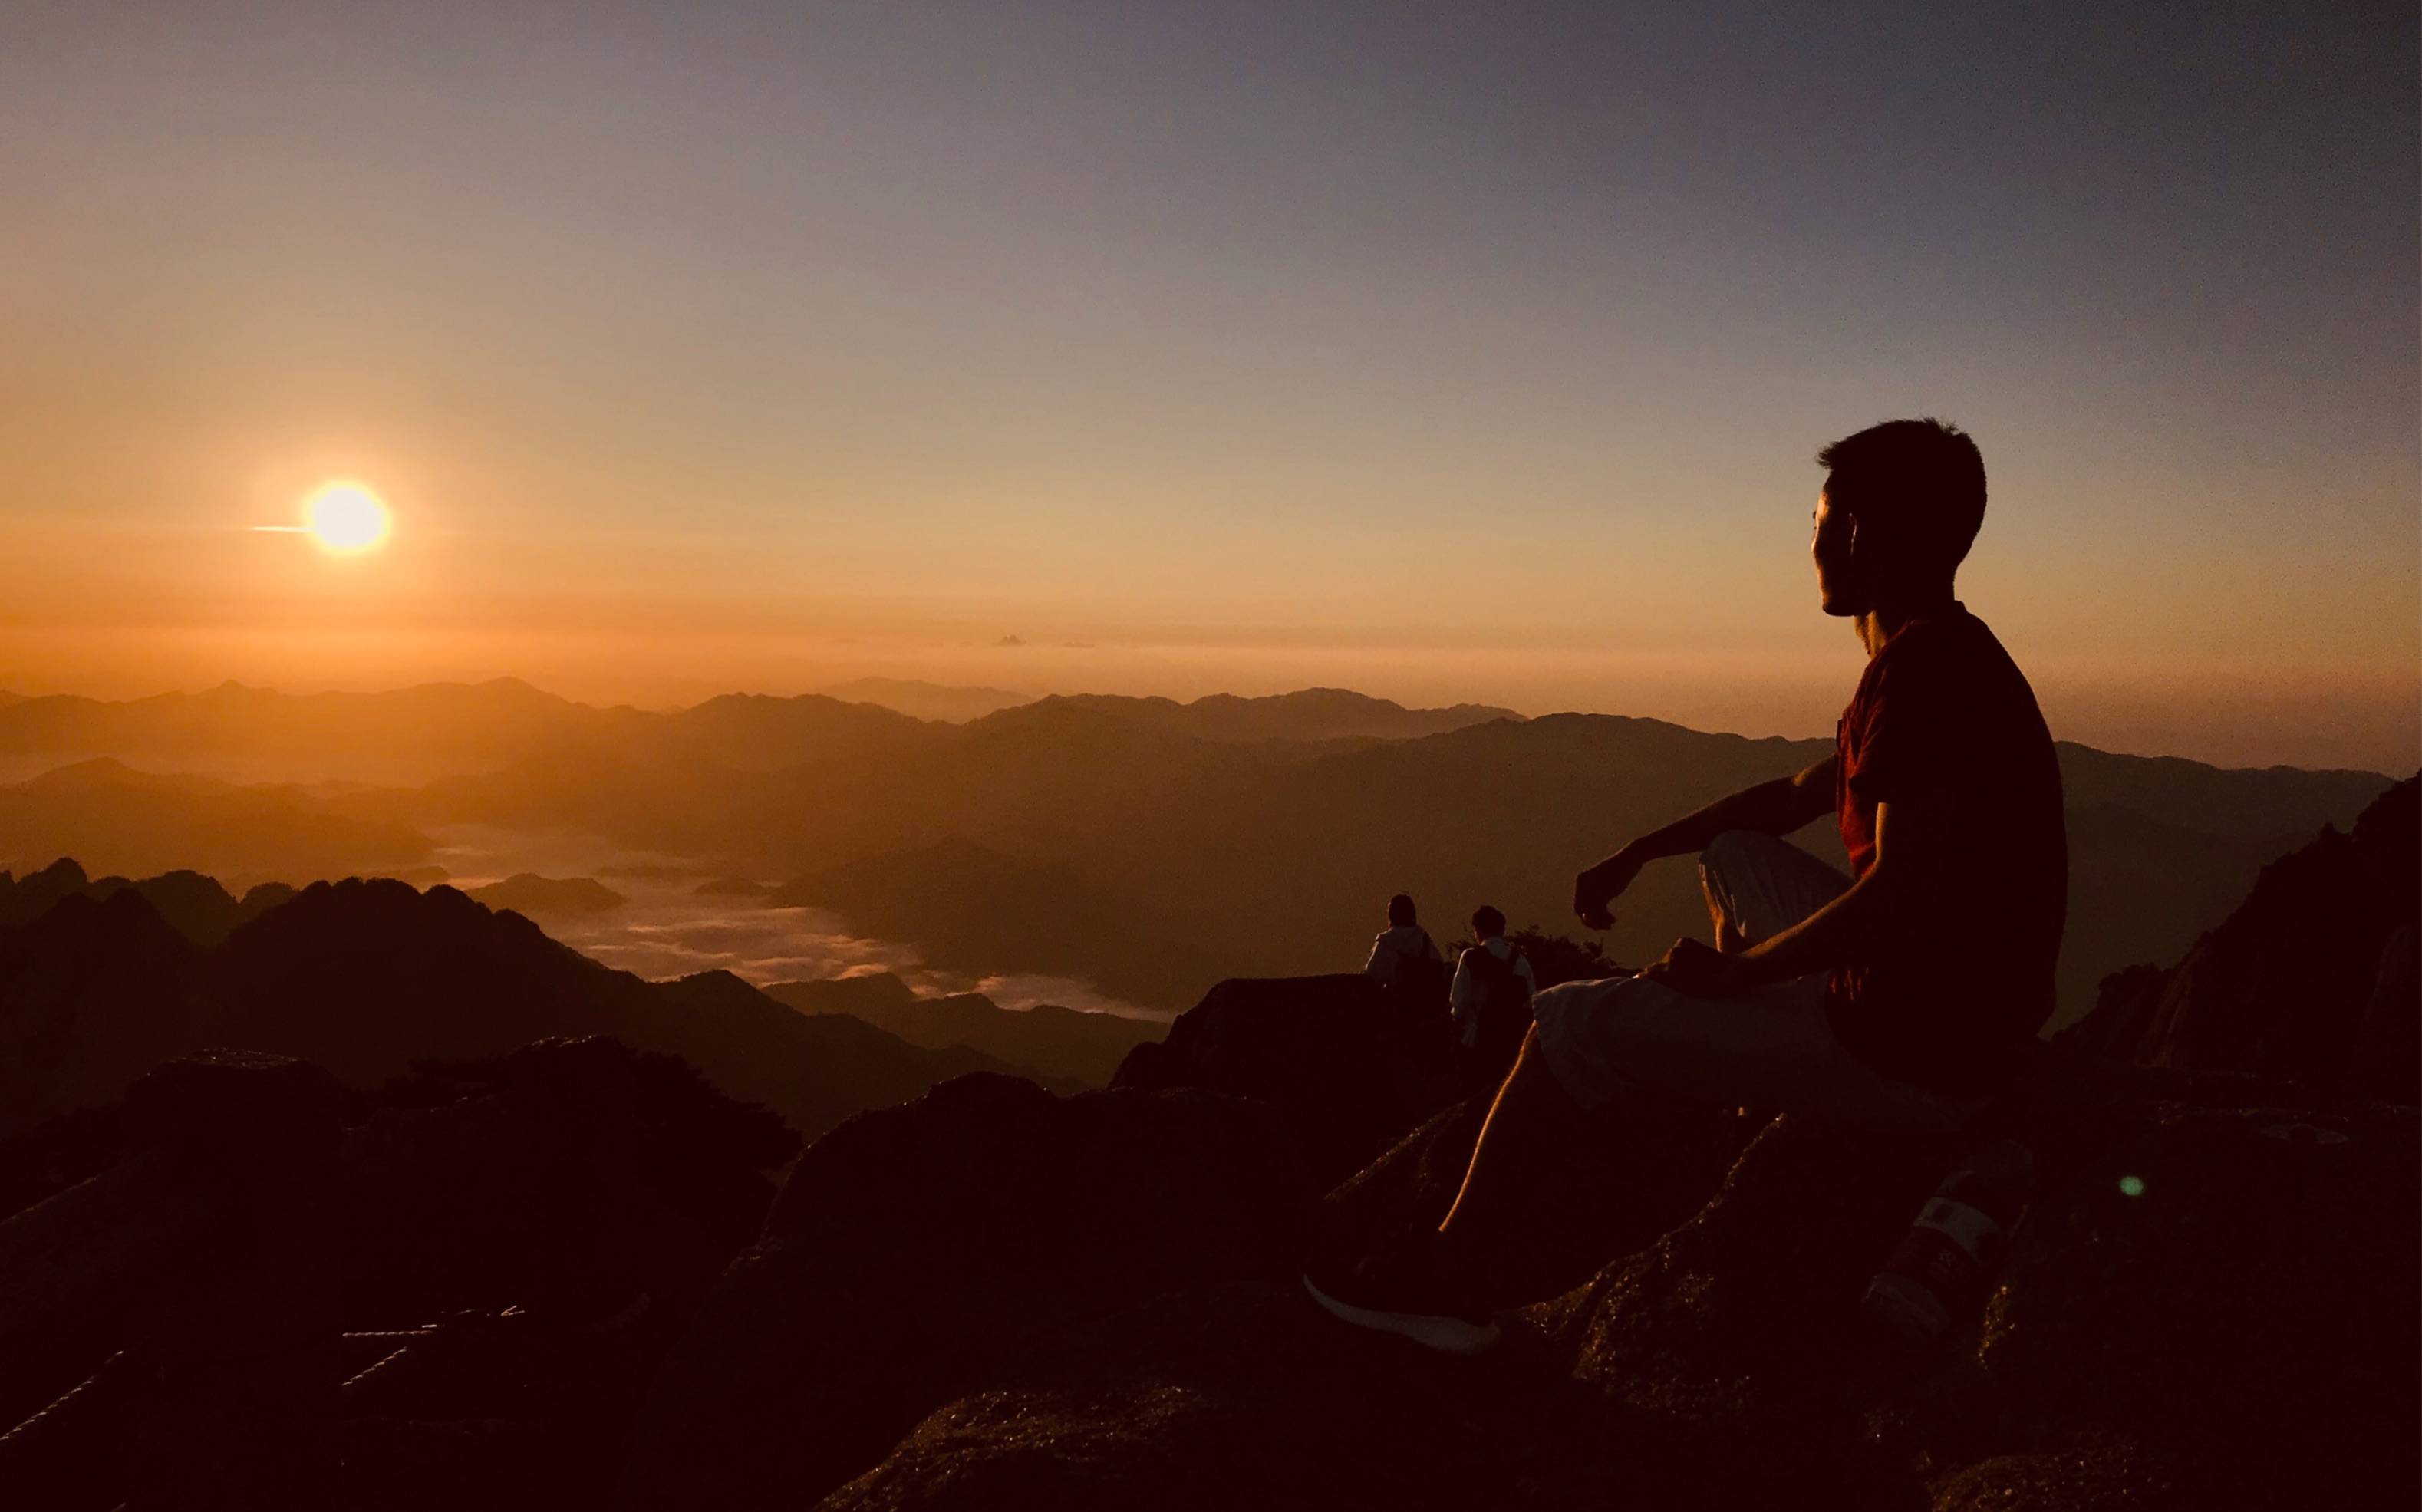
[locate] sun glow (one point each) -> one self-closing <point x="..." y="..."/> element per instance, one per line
<point x="346" y="516"/>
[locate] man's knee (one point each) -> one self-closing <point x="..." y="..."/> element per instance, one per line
<point x="1728" y="861"/>
<point x="1732" y="853"/>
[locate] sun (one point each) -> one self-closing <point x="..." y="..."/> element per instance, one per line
<point x="346" y="516"/>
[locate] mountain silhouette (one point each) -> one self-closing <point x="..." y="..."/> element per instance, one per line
<point x="529" y="892"/>
<point x="366" y="978"/>
<point x="2311" y="979"/>
<point x="1149" y="846"/>
<point x="139" y="823"/>
<point x="1060" y="1042"/>
<point x="197" y="907"/>
<point x="1315" y="713"/>
<point x="919" y="700"/>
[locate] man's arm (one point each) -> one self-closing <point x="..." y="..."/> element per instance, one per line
<point x="1775" y="807"/>
<point x="1909" y="864"/>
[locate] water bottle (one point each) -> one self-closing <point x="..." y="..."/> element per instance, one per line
<point x="1944" y="1263"/>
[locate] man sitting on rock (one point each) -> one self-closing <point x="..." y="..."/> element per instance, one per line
<point x="1894" y="1000"/>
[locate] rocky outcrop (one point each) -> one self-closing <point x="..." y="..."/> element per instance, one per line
<point x="1234" y="1396"/>
<point x="2233" y="1327"/>
<point x="1326" y="1052"/>
<point x="915" y="1247"/>
<point x="2309" y="981"/>
<point x="1631" y="1172"/>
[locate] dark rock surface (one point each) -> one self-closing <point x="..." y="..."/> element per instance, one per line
<point x="2241" y="1333"/>
<point x="1632" y="1172"/>
<point x="916" y="1246"/>
<point x="1323" y="1050"/>
<point x="536" y="1228"/>
<point x="2309" y="968"/>
<point x="1235" y="1396"/>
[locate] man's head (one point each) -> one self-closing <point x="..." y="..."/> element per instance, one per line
<point x="1400" y="912"/>
<point x="1901" y="506"/>
<point x="1486" y="922"/>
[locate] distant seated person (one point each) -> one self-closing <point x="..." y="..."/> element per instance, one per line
<point x="1403" y="940"/>
<point x="1406" y="961"/>
<point x="1490" y="1001"/>
<point x="1894" y="1000"/>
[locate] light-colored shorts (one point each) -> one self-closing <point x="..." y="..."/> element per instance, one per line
<point x="1772" y="1049"/>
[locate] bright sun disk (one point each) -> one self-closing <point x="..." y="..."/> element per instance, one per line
<point x="346" y="516"/>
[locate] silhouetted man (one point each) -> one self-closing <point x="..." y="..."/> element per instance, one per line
<point x="1403" y="942"/>
<point x="1895" y="999"/>
<point x="1490" y="1001"/>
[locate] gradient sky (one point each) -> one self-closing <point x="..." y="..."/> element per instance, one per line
<point x="1447" y="351"/>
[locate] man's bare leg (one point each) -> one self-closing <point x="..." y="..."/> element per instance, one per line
<point x="1527" y="1127"/>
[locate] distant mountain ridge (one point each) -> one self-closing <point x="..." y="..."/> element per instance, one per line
<point x="412" y="734"/>
<point x="947" y="704"/>
<point x="1063" y="1042"/>
<point x="1315" y="713"/>
<point x="139" y="823"/>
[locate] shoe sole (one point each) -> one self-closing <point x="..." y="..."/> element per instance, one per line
<point x="1448" y="1335"/>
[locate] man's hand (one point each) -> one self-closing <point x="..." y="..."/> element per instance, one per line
<point x="1601" y="886"/>
<point x="1697" y="971"/>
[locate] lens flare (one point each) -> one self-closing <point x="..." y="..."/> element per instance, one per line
<point x="345" y="516"/>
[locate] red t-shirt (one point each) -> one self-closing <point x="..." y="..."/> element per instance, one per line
<point x="1950" y="1000"/>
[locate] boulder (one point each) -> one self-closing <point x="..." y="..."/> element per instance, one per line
<point x="914" y="1246"/>
<point x="1735" y="1333"/>
<point x="2236" y="1290"/>
<point x="1631" y="1170"/>
<point x="1326" y="1052"/>
<point x="1231" y="1396"/>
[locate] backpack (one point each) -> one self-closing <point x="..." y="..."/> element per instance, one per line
<point x="1503" y="1015"/>
<point x="1417" y="990"/>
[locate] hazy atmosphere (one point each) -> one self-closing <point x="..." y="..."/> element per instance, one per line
<point x="1052" y="754"/>
<point x="1473" y="357"/>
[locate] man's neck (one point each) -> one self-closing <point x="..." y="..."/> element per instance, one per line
<point x="1876" y="626"/>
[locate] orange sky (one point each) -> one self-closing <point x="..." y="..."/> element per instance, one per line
<point x="1479" y="365"/>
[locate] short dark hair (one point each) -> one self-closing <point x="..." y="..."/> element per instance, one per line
<point x="1921" y="482"/>
<point x="1400" y="910"/>
<point x="1487" y="921"/>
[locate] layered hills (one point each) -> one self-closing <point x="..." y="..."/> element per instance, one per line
<point x="369" y="978"/>
<point x="1149" y="846"/>
<point x="1061" y="1042"/>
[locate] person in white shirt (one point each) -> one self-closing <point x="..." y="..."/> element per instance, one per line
<point x="1403" y="940"/>
<point x="1491" y="998"/>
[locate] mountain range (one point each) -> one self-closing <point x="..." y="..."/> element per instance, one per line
<point x="1150" y="846"/>
<point x="370" y="978"/>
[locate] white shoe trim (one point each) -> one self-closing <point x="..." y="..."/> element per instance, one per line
<point x="1449" y="1336"/>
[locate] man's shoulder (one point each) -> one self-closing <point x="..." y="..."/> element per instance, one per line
<point x="1956" y="650"/>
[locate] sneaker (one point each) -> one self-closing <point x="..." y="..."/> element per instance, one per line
<point x="1395" y="1292"/>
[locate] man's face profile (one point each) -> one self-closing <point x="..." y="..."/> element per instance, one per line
<point x="1837" y="584"/>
